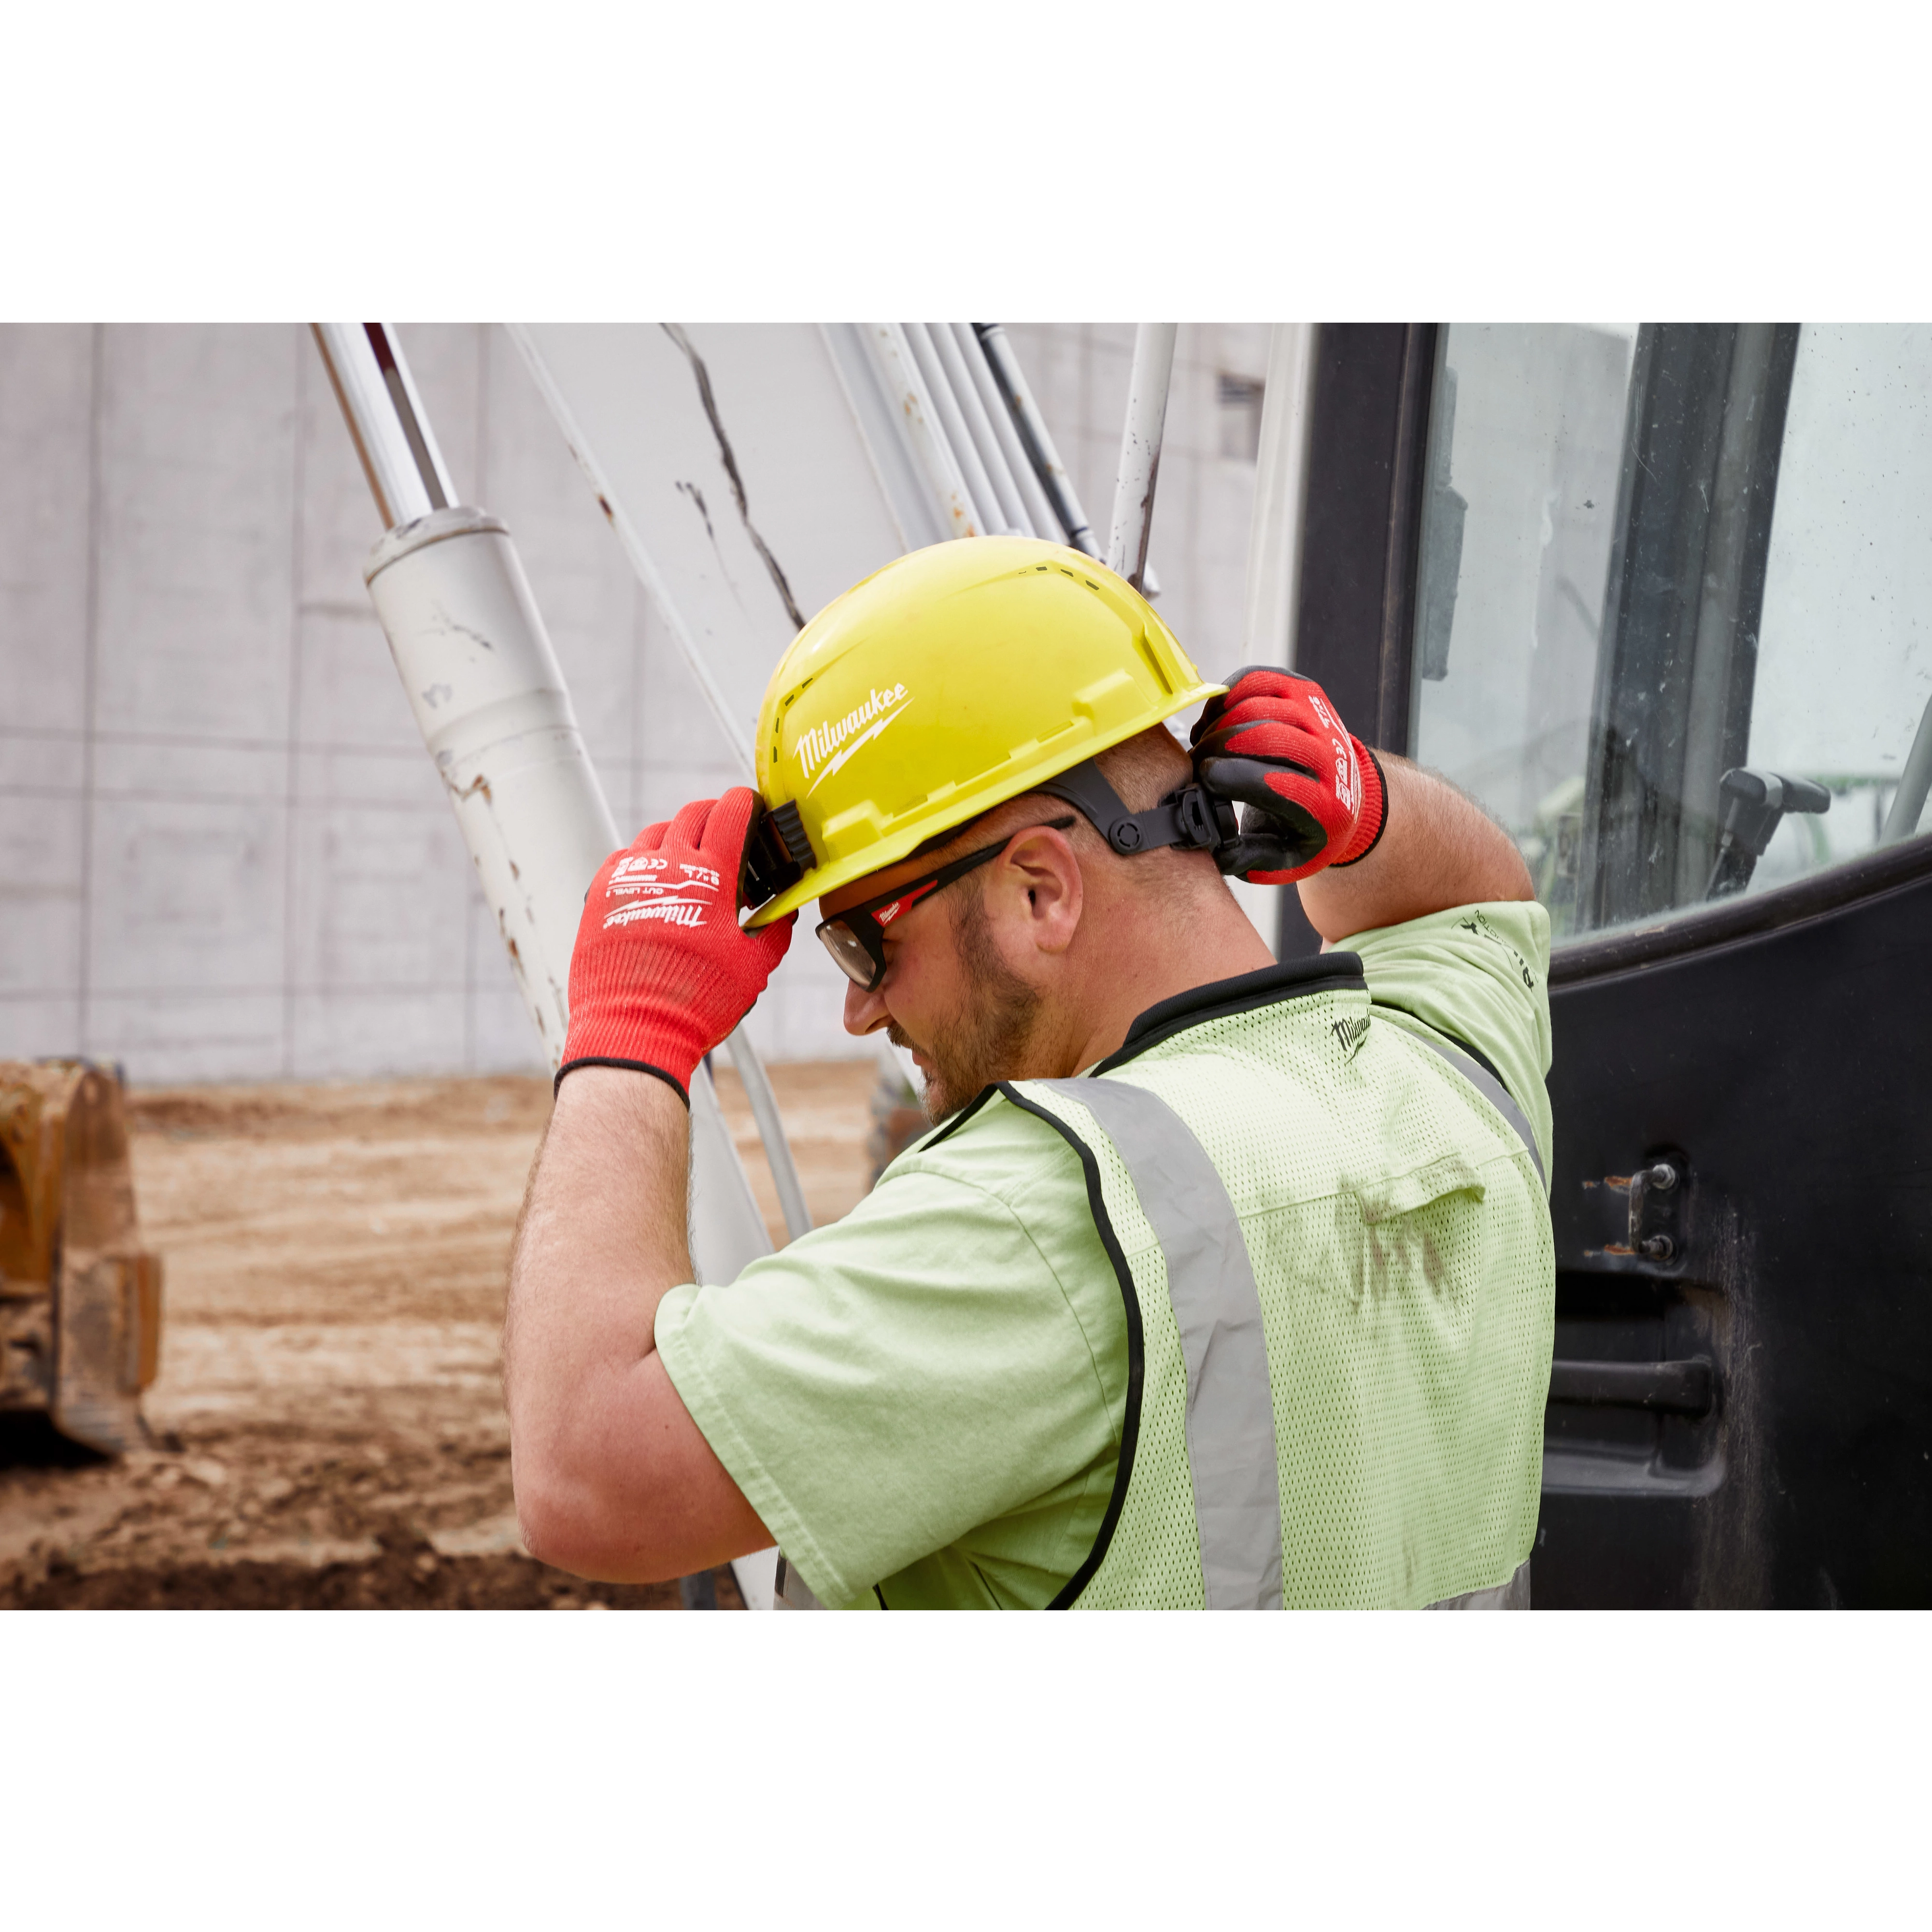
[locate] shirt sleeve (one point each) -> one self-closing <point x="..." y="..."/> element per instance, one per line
<point x="883" y="1385"/>
<point x="1479" y="973"/>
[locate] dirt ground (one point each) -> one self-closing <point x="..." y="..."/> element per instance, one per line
<point x="328" y="1428"/>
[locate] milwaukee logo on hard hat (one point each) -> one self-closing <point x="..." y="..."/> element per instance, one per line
<point x="830" y="744"/>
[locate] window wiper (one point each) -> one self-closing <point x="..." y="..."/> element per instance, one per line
<point x="1754" y="804"/>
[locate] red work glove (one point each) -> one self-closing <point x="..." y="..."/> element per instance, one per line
<point x="1312" y="795"/>
<point x="662" y="971"/>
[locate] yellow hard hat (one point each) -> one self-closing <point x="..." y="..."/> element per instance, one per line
<point x="954" y="679"/>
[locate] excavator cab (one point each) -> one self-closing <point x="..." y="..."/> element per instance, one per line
<point x="1659" y="596"/>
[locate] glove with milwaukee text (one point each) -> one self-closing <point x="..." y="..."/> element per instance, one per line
<point x="1311" y="795"/>
<point x="662" y="970"/>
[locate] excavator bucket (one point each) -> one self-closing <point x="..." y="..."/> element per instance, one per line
<point x="80" y="1298"/>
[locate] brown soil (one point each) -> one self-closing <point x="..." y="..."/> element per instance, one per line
<point x="328" y="1429"/>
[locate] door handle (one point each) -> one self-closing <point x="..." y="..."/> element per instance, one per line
<point x="1667" y="1388"/>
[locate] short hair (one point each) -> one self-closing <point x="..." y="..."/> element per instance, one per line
<point x="1145" y="768"/>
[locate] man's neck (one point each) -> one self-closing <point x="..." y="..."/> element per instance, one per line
<point x="1138" y="958"/>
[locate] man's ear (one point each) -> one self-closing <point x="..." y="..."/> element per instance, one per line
<point x="1037" y="886"/>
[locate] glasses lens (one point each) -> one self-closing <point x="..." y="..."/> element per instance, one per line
<point x="854" y="961"/>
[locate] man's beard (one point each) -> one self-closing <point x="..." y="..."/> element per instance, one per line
<point x="986" y="1040"/>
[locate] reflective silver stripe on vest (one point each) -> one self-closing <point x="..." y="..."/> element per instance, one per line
<point x="1231" y="1446"/>
<point x="1492" y="1090"/>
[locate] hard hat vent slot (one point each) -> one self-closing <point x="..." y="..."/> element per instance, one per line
<point x="1149" y="658"/>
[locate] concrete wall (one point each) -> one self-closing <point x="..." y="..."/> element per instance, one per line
<point x="223" y="853"/>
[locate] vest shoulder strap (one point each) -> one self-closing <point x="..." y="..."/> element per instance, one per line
<point x="1492" y="1090"/>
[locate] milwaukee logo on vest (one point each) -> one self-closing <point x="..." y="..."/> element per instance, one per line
<point x="831" y="744"/>
<point x="1350" y="1032"/>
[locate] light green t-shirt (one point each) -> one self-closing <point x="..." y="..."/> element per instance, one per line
<point x="1481" y="974"/>
<point x="923" y="1401"/>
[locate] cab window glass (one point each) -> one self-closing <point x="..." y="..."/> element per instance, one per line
<point x="1675" y="587"/>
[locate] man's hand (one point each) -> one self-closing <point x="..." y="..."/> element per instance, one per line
<point x="1274" y="742"/>
<point x="1312" y="794"/>
<point x="662" y="971"/>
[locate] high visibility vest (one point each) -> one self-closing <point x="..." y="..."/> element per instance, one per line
<point x="1331" y="1229"/>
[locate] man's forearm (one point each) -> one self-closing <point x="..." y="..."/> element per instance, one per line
<point x="1438" y="851"/>
<point x="602" y="1235"/>
<point x="613" y="1477"/>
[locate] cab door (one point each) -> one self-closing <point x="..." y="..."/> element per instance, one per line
<point x="1659" y="595"/>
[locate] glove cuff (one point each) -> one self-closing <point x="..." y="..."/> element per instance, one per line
<point x="670" y="1080"/>
<point x="644" y="1032"/>
<point x="1373" y="819"/>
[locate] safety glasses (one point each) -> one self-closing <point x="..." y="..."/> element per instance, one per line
<point x="857" y="936"/>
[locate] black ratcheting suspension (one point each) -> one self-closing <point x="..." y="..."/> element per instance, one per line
<point x="1192" y="817"/>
